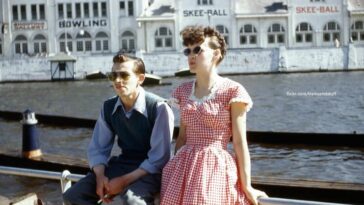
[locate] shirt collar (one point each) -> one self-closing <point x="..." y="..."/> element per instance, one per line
<point x="139" y="105"/>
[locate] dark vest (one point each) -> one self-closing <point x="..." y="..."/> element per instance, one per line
<point x="133" y="133"/>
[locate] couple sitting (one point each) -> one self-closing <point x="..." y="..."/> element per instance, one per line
<point x="212" y="109"/>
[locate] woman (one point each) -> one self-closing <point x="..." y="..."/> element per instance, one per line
<point x="212" y="109"/>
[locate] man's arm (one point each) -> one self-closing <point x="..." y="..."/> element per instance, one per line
<point x="101" y="144"/>
<point x="99" y="151"/>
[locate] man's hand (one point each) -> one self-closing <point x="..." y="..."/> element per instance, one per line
<point x="118" y="185"/>
<point x="101" y="181"/>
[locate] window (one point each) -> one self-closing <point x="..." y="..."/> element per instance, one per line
<point x="224" y="32"/>
<point x="21" y="45"/>
<point x="40" y="44"/>
<point x="102" y="42"/>
<point x="103" y="9"/>
<point x="63" y="39"/>
<point x="163" y="38"/>
<point x="204" y="2"/>
<point x="78" y="10"/>
<point x="130" y="8"/>
<point x="304" y="33"/>
<point x="83" y="42"/>
<point x="38" y="14"/>
<point x="86" y="10"/>
<point x="357" y="32"/>
<point x="60" y="11"/>
<point x="95" y="8"/>
<point x="127" y="42"/>
<point x="41" y="12"/>
<point x="122" y="5"/>
<point x="248" y="35"/>
<point x="34" y="11"/>
<point x="331" y="32"/>
<point x="23" y="13"/>
<point x="276" y="34"/>
<point x="69" y="11"/>
<point x="15" y="13"/>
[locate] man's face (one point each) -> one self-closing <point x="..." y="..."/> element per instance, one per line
<point x="126" y="81"/>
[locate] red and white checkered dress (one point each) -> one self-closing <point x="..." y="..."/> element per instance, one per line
<point x="203" y="171"/>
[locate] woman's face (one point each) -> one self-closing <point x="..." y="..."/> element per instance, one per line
<point x="200" y="57"/>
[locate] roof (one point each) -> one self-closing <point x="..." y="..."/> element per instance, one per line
<point x="160" y="8"/>
<point x="59" y="57"/>
<point x="356" y="5"/>
<point x="261" y="6"/>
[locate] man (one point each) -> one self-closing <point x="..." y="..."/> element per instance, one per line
<point x="144" y="125"/>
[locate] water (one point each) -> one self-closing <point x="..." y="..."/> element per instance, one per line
<point x="315" y="102"/>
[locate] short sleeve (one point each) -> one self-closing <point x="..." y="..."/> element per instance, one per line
<point x="175" y="99"/>
<point x="239" y="94"/>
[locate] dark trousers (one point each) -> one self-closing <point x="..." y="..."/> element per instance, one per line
<point x="140" y="192"/>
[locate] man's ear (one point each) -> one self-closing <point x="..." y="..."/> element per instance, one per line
<point x="141" y="78"/>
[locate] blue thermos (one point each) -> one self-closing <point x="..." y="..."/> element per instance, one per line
<point x="31" y="145"/>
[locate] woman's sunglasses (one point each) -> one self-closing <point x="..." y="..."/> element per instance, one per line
<point x="196" y="51"/>
<point x="114" y="75"/>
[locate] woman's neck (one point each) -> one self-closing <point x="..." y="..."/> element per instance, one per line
<point x="206" y="81"/>
<point x="204" y="84"/>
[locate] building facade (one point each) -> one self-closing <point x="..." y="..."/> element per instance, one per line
<point x="94" y="28"/>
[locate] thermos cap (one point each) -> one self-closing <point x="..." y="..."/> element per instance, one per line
<point x="29" y="117"/>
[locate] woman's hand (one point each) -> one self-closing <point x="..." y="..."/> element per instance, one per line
<point x="254" y="194"/>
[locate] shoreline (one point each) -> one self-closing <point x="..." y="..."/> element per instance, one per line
<point x="171" y="76"/>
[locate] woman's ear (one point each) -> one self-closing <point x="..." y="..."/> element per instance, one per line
<point x="217" y="55"/>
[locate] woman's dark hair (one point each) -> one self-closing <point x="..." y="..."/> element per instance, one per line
<point x="197" y="34"/>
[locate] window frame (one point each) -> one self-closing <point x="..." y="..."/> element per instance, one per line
<point x="85" y="42"/>
<point x="40" y="44"/>
<point x="101" y="40"/>
<point x="1" y="47"/>
<point x="22" y="44"/>
<point x="303" y="34"/>
<point x="275" y="35"/>
<point x="62" y="42"/>
<point x="248" y="35"/>
<point x="331" y="33"/>
<point x="163" y="39"/>
<point x="224" y="32"/>
<point x="128" y="39"/>
<point x="359" y="32"/>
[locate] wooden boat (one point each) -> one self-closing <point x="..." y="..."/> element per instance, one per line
<point x="95" y="75"/>
<point x="151" y="79"/>
<point x="183" y="72"/>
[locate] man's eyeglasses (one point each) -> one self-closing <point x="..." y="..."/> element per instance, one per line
<point x="114" y="75"/>
<point x="196" y="51"/>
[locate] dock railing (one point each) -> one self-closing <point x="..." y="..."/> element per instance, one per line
<point x="66" y="178"/>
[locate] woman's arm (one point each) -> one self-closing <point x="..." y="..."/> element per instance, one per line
<point x="181" y="139"/>
<point x="238" y="118"/>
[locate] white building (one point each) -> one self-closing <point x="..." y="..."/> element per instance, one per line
<point x="94" y="30"/>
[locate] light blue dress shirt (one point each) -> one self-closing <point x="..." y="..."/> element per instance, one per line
<point x="103" y="138"/>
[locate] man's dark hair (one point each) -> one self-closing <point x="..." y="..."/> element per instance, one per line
<point x="139" y="67"/>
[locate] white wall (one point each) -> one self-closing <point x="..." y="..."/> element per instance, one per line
<point x="167" y="63"/>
